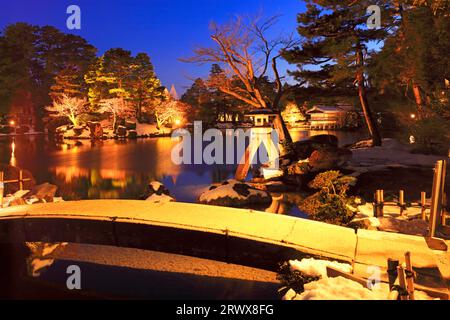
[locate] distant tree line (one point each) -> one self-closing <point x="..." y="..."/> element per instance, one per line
<point x="399" y="70"/>
<point x="43" y="69"/>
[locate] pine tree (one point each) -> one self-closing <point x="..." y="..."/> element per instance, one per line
<point x="336" y="41"/>
<point x="145" y="87"/>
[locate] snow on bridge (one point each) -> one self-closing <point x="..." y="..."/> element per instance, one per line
<point x="239" y="236"/>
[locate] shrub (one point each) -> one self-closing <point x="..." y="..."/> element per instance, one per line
<point x="292" y="279"/>
<point x="331" y="203"/>
<point x="6" y="129"/>
<point x="431" y="135"/>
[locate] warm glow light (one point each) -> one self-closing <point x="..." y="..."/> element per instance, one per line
<point x="12" y="122"/>
<point x="413" y="116"/>
<point x="13" y="160"/>
<point x="177" y="122"/>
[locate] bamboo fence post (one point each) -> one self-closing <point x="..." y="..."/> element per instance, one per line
<point x="423" y="199"/>
<point x="2" y="188"/>
<point x="409" y="275"/>
<point x="401" y="201"/>
<point x="443" y="195"/>
<point x="436" y="198"/>
<point x="378" y="205"/>
<point x="402" y="282"/>
<point x="20" y="180"/>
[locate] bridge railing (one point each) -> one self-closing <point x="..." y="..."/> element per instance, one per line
<point x="3" y="183"/>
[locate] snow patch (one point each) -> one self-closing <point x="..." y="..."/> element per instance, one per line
<point x="316" y="268"/>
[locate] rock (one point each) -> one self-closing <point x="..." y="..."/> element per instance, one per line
<point x="364" y="223"/>
<point x="20" y="193"/>
<point x="78" y="130"/>
<point x="269" y="173"/>
<point x="233" y="193"/>
<point x="96" y="130"/>
<point x="121" y="131"/>
<point x="163" y="198"/>
<point x="298" y="168"/>
<point x="304" y="149"/>
<point x="12" y="173"/>
<point x="132" y="134"/>
<point x="45" y="191"/>
<point x="411" y="227"/>
<point x="155" y="188"/>
<point x="130" y="125"/>
<point x="17" y="202"/>
<point x="277" y="186"/>
<point x="329" y="158"/>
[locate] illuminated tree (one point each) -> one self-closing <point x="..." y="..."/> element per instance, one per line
<point x="117" y="108"/>
<point x="170" y="111"/>
<point x="293" y="114"/>
<point x="70" y="107"/>
<point x="247" y="55"/>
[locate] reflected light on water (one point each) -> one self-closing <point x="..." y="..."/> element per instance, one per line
<point x="13" y="160"/>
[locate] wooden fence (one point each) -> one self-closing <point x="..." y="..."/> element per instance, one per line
<point x="438" y="217"/>
<point x="3" y="183"/>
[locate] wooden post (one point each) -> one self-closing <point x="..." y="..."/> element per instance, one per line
<point x="443" y="195"/>
<point x="402" y="282"/>
<point x="436" y="198"/>
<point x="375" y="203"/>
<point x="409" y="275"/>
<point x="392" y="265"/>
<point x="378" y="204"/>
<point x="423" y="200"/>
<point x="20" y="180"/>
<point x="2" y="188"/>
<point x="401" y="201"/>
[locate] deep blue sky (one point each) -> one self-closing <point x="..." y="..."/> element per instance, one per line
<point x="166" y="30"/>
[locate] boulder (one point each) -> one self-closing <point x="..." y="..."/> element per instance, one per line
<point x="155" y="188"/>
<point x="233" y="193"/>
<point x="163" y="198"/>
<point x="304" y="149"/>
<point x="298" y="168"/>
<point x="132" y="134"/>
<point x="78" y="130"/>
<point x="12" y="173"/>
<point x="121" y="131"/>
<point x="329" y="158"/>
<point x="45" y="191"/>
<point x="96" y="130"/>
<point x="411" y="227"/>
<point x="130" y="125"/>
<point x="16" y="202"/>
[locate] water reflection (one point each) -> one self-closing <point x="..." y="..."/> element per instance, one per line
<point x="119" y="169"/>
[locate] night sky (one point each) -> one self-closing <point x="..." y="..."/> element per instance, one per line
<point x="166" y="30"/>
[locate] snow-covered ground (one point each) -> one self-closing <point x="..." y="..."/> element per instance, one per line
<point x="337" y="288"/>
<point x="391" y="153"/>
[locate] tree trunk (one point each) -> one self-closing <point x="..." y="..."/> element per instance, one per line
<point x="371" y="123"/>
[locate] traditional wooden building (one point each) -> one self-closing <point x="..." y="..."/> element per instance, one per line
<point x="328" y="117"/>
